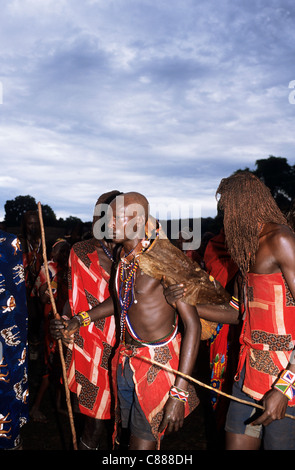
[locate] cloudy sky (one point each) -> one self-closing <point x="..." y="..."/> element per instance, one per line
<point x="162" y="97"/>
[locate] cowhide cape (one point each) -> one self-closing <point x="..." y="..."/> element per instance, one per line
<point x="163" y="260"/>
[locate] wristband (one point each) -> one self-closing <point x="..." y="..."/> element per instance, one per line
<point x="234" y="302"/>
<point x="285" y="384"/>
<point x="84" y="318"/>
<point x="178" y="394"/>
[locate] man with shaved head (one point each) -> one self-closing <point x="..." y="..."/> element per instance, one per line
<point x="151" y="399"/>
<point x="148" y="326"/>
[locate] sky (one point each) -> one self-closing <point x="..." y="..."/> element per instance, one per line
<point x="162" y="97"/>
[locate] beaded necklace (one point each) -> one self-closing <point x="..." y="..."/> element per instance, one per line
<point x="127" y="276"/>
<point x="126" y="292"/>
<point x="107" y="252"/>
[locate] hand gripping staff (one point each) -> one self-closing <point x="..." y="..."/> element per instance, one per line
<point x="68" y="399"/>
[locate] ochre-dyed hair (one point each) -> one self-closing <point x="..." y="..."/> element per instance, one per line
<point x="246" y="204"/>
<point x="291" y="216"/>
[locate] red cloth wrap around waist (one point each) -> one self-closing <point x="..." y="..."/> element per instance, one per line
<point x="152" y="383"/>
<point x="268" y="333"/>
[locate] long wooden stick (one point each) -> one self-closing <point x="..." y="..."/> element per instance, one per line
<point x="67" y="391"/>
<point x="192" y="379"/>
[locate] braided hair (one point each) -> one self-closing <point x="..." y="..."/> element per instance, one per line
<point x="247" y="204"/>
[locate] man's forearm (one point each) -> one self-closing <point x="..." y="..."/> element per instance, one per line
<point x="190" y="343"/>
<point x="103" y="310"/>
<point x="85" y="317"/>
<point x="219" y="313"/>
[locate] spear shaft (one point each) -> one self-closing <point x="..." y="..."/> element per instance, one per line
<point x="201" y="384"/>
<point x="56" y="315"/>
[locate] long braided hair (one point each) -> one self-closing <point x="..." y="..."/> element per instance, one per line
<point x="247" y="204"/>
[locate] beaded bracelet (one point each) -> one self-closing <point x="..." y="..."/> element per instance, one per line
<point x="84" y="318"/>
<point x="234" y="302"/>
<point x="178" y="394"/>
<point x="285" y="384"/>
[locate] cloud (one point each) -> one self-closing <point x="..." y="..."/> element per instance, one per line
<point x="163" y="97"/>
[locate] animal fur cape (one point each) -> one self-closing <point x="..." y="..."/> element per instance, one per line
<point x="163" y="259"/>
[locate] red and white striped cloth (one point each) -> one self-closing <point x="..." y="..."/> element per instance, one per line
<point x="88" y="358"/>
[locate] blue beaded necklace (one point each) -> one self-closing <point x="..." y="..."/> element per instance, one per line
<point x="107" y="252"/>
<point x="126" y="291"/>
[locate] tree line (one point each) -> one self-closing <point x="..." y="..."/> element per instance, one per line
<point x="16" y="208"/>
<point x="277" y="175"/>
<point x="275" y="172"/>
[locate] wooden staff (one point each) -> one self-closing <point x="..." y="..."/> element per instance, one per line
<point x="188" y="377"/>
<point x="56" y="315"/>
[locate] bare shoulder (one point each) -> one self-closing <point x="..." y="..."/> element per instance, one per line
<point x="276" y="250"/>
<point x="278" y="233"/>
<point x="281" y="241"/>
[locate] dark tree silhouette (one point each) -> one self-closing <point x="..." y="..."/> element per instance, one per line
<point x="15" y="208"/>
<point x="279" y="177"/>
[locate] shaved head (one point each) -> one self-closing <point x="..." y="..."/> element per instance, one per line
<point x="137" y="198"/>
<point x="130" y="212"/>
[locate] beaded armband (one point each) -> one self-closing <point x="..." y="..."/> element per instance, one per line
<point x="178" y="394"/>
<point x="286" y="384"/>
<point x="84" y="318"/>
<point x="234" y="302"/>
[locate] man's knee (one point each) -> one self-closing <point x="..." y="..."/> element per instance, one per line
<point x="137" y="443"/>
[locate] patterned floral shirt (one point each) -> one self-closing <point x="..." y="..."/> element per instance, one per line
<point x="13" y="342"/>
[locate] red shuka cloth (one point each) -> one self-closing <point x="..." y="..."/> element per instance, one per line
<point x="268" y="333"/>
<point x="217" y="260"/>
<point x="219" y="264"/>
<point x="152" y="383"/>
<point x="88" y="360"/>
